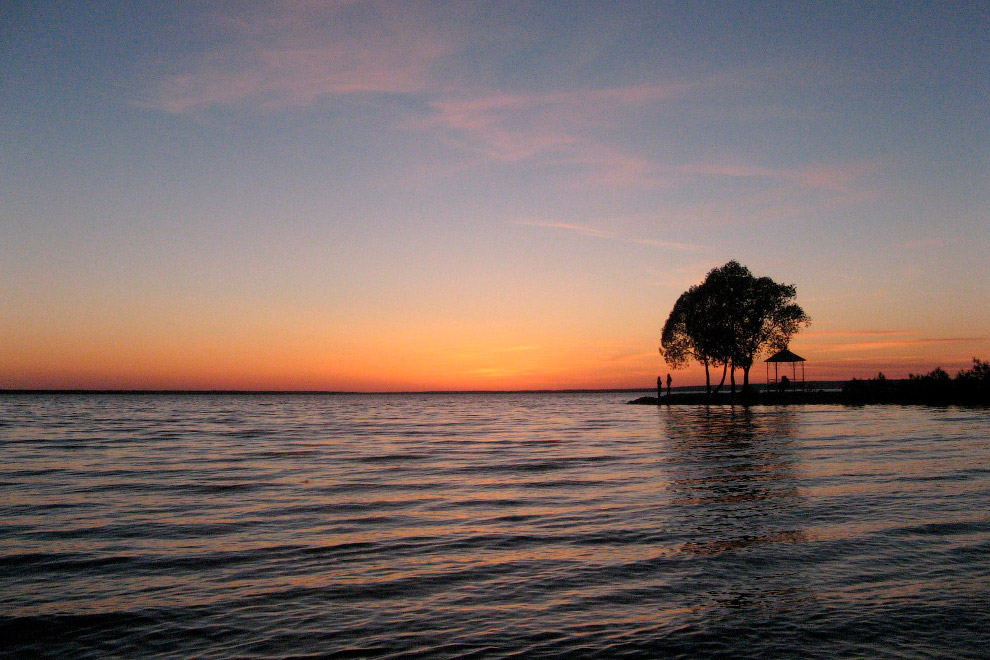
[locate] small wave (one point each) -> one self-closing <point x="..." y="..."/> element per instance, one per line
<point x="223" y="488"/>
<point x="944" y="529"/>
<point x="391" y="458"/>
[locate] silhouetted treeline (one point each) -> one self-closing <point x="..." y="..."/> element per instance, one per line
<point x="936" y="387"/>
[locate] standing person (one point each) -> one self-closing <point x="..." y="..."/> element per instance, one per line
<point x="669" y="379"/>
<point x="659" y="388"/>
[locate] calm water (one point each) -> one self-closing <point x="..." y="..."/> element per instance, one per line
<point x="489" y="525"/>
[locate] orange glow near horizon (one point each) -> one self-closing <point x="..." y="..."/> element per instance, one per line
<point x="160" y="344"/>
<point x="428" y="360"/>
<point x="425" y="368"/>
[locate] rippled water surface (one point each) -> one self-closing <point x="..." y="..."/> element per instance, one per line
<point x="251" y="526"/>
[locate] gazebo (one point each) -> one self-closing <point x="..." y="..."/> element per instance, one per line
<point x="784" y="356"/>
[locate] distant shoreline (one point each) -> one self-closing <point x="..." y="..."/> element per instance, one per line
<point x="800" y="398"/>
<point x="817" y="385"/>
<point x="628" y="390"/>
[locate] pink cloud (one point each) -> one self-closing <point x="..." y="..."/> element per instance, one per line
<point x="838" y="178"/>
<point x="295" y="53"/>
<point x="732" y="170"/>
<point x="852" y="333"/>
<point x="609" y="167"/>
<point x="513" y="127"/>
<point x="833" y="177"/>
<point x="899" y="343"/>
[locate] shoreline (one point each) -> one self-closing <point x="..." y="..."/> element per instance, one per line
<point x="805" y="398"/>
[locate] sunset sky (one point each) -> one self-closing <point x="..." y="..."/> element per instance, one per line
<point x="481" y="195"/>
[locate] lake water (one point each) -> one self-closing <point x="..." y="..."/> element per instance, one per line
<point x="527" y="525"/>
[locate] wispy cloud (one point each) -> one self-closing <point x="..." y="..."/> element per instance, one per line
<point x="852" y="333"/>
<point x="307" y="53"/>
<point x="899" y="343"/>
<point x="302" y="54"/>
<point x="823" y="176"/>
<point x="888" y="339"/>
<point x="512" y="127"/>
<point x="931" y="242"/>
<point x="560" y="128"/>
<point x="580" y="229"/>
<point x="295" y="53"/>
<point x="629" y="356"/>
<point x="596" y="232"/>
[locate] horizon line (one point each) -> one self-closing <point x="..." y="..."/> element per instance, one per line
<point x="569" y="390"/>
<point x="333" y="392"/>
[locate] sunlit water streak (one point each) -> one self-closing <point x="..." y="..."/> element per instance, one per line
<point x="489" y="525"/>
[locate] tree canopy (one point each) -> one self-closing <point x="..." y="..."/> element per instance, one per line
<point x="730" y="320"/>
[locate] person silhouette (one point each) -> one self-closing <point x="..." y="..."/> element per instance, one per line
<point x="669" y="379"/>
<point x="659" y="388"/>
<point x="785" y="382"/>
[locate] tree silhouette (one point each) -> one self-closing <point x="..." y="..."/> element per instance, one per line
<point x="730" y="319"/>
<point x="683" y="335"/>
<point x="695" y="330"/>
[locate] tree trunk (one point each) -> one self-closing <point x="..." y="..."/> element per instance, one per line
<point x="746" y="379"/>
<point x="721" y="382"/>
<point x="708" y="380"/>
<point x="732" y="377"/>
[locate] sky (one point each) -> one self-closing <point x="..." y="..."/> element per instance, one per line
<point x="405" y="196"/>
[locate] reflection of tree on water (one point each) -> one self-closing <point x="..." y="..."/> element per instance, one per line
<point x="735" y="507"/>
<point x="724" y="455"/>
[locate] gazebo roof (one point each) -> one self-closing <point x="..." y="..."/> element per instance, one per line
<point x="785" y="356"/>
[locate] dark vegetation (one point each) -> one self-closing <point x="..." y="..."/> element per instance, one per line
<point x="728" y="321"/>
<point x="937" y="388"/>
<point x="968" y="386"/>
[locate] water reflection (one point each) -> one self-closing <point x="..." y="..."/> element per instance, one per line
<point x="735" y="503"/>
<point x="721" y="455"/>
